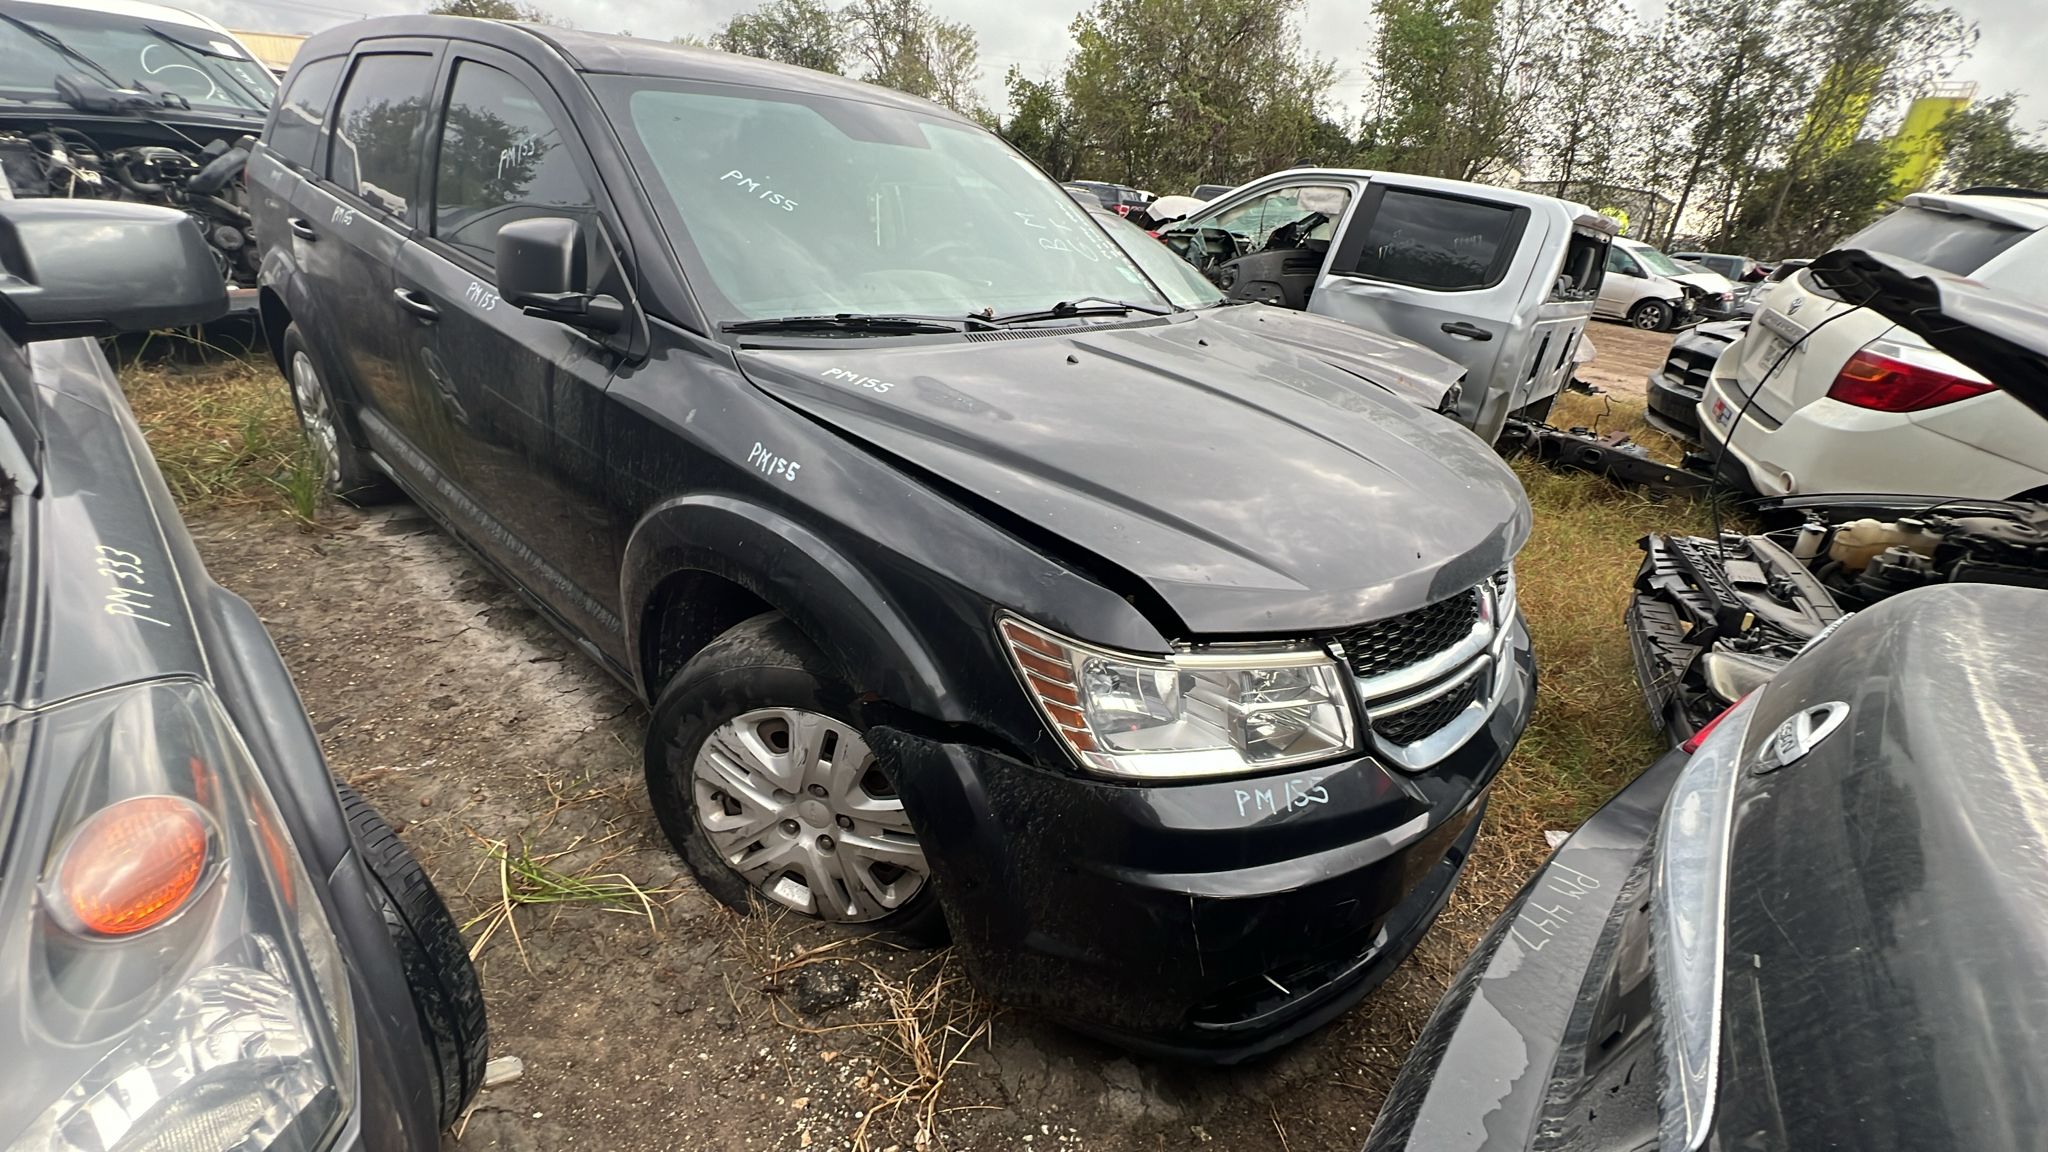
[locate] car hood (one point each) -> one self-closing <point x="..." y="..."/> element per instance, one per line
<point x="1712" y="283"/>
<point x="1250" y="486"/>
<point x="1400" y="365"/>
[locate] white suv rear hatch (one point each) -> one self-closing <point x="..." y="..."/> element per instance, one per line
<point x="1971" y="236"/>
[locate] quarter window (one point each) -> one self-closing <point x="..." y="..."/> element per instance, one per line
<point x="502" y="159"/>
<point x="1437" y="242"/>
<point x="295" y="136"/>
<point x="376" y="151"/>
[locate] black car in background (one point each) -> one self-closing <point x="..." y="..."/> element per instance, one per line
<point x="1819" y="922"/>
<point x="208" y="941"/>
<point x="134" y="103"/>
<point x="975" y="585"/>
<point x="1118" y="198"/>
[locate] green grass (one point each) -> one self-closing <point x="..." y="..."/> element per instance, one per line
<point x="1591" y="733"/>
<point x="222" y="428"/>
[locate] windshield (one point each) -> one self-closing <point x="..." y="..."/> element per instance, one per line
<point x="205" y="67"/>
<point x="1659" y="263"/>
<point x="1184" y="286"/>
<point x="797" y="204"/>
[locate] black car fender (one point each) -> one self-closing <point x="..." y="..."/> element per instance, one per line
<point x="793" y="570"/>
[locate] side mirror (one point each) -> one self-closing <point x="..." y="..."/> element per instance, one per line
<point x="96" y="267"/>
<point x="542" y="271"/>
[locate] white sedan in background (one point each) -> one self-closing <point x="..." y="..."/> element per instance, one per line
<point x="1821" y="396"/>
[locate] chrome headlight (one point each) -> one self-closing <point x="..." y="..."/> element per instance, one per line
<point x="1690" y="925"/>
<point x="1186" y="715"/>
<point x="179" y="978"/>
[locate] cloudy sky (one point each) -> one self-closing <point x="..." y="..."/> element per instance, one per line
<point x="1032" y="34"/>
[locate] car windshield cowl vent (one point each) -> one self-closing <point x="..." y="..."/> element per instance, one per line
<point x="1068" y="329"/>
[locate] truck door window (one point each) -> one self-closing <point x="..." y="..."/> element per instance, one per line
<point x="376" y="151"/>
<point x="502" y="158"/>
<point x="1438" y="242"/>
<point x="295" y="136"/>
<point x="1284" y="218"/>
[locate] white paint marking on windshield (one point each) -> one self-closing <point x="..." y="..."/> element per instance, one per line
<point x="759" y="188"/>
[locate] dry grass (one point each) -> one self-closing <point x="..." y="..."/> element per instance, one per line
<point x="1591" y="733"/>
<point x="924" y="1020"/>
<point x="527" y="880"/>
<point x="221" y="427"/>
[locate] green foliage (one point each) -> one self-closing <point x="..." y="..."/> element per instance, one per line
<point x="905" y="46"/>
<point x="493" y="10"/>
<point x="1172" y="93"/>
<point x="1041" y="124"/>
<point x="1798" y="212"/>
<point x="1445" y="101"/>
<point x="801" y="32"/>
<point x="1982" y="146"/>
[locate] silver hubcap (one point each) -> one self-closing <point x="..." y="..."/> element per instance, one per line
<point x="794" y="802"/>
<point x="1647" y="318"/>
<point x="315" y="417"/>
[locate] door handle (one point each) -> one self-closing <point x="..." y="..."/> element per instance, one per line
<point x="412" y="302"/>
<point x="301" y="229"/>
<point x="1469" y="331"/>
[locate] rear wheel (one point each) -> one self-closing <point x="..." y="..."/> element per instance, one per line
<point x="760" y="772"/>
<point x="438" y="973"/>
<point x="346" y="470"/>
<point x="1650" y="316"/>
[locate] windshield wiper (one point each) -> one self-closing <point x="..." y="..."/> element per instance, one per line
<point x="56" y="44"/>
<point x="262" y="102"/>
<point x="1082" y="306"/>
<point x="880" y="325"/>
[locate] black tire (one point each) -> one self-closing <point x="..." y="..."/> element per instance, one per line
<point x="349" y="472"/>
<point x="765" y="662"/>
<point x="438" y="974"/>
<point x="1650" y="316"/>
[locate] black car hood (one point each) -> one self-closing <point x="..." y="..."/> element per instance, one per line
<point x="1888" y="893"/>
<point x="1400" y="365"/>
<point x="1251" y="489"/>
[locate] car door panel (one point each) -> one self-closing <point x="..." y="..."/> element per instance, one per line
<point x="1446" y="271"/>
<point x="513" y="403"/>
<point x="348" y="227"/>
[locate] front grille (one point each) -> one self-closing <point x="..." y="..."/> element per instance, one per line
<point x="1423" y="719"/>
<point x="1399" y="641"/>
<point x="1688" y="369"/>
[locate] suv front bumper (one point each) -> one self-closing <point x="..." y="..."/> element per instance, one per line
<point x="1211" y="921"/>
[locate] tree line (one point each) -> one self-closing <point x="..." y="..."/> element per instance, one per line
<point x="1764" y="126"/>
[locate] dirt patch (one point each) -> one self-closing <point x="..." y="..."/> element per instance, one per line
<point x="465" y="718"/>
<point x="1624" y="359"/>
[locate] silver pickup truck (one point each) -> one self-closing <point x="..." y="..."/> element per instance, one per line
<point x="1500" y="280"/>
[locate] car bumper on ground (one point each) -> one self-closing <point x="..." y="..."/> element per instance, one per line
<point x="1210" y="921"/>
<point x="1479" y="1076"/>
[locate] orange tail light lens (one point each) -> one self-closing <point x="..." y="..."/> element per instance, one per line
<point x="133" y="864"/>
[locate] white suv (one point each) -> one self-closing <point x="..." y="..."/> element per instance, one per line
<point x="1861" y="405"/>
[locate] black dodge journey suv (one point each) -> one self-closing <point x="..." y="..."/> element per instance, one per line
<point x="1156" y="655"/>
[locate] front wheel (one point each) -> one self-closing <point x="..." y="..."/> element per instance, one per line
<point x="761" y="775"/>
<point x="1650" y="316"/>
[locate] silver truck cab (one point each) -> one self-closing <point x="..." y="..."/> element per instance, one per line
<point x="1500" y="280"/>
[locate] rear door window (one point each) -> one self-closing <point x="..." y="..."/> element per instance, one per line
<point x="295" y="136"/>
<point x="375" y="156"/>
<point x="502" y="158"/>
<point x="1444" y="243"/>
<point x="1944" y="240"/>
